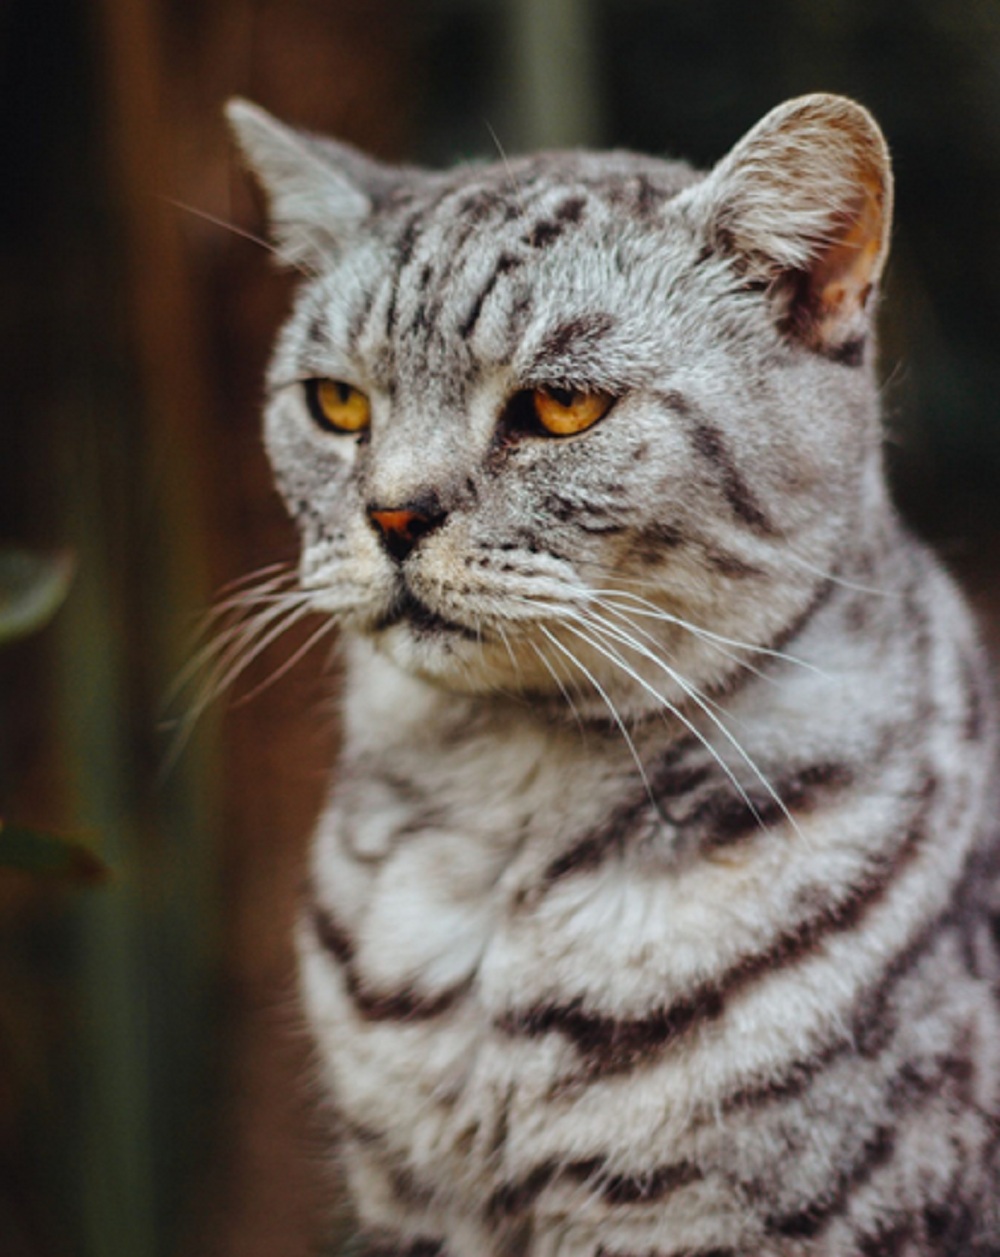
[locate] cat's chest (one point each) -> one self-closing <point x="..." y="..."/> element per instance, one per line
<point x="418" y="875"/>
<point x="453" y="905"/>
<point x="420" y="867"/>
<point x="425" y="858"/>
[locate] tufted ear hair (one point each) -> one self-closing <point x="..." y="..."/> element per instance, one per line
<point x="804" y="204"/>
<point x="320" y="192"/>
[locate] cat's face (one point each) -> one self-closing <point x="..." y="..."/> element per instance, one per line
<point x="540" y="418"/>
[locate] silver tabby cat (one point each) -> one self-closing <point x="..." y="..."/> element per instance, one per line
<point x="651" y="912"/>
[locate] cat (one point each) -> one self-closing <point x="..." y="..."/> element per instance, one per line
<point x="651" y="912"/>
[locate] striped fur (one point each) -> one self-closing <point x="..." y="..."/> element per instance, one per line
<point x="653" y="911"/>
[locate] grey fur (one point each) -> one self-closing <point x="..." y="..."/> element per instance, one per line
<point x="651" y="912"/>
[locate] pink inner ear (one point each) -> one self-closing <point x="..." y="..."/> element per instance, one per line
<point x="840" y="279"/>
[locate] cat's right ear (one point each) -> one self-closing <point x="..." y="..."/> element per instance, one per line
<point x="320" y="193"/>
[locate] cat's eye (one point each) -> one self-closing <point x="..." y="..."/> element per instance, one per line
<point x="564" y="411"/>
<point x="336" y="406"/>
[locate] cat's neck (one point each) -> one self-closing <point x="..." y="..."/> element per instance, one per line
<point x="387" y="709"/>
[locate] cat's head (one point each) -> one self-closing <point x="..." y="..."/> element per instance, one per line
<point x="539" y="418"/>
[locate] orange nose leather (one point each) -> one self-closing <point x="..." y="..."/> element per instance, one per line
<point x="400" y="528"/>
<point x="399" y="523"/>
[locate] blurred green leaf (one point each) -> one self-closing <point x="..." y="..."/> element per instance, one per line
<point x="31" y="588"/>
<point x="48" y="855"/>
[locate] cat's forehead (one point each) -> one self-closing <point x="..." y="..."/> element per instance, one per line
<point x="539" y="197"/>
<point x="516" y="263"/>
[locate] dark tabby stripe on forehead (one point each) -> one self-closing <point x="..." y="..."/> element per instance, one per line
<point x="570" y="210"/>
<point x="578" y="336"/>
<point x="405" y="245"/>
<point x="543" y="233"/>
<point x="360" y="318"/>
<point x="316" y="333"/>
<point x="505" y="263"/>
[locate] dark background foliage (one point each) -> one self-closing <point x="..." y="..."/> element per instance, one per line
<point x="154" y="1082"/>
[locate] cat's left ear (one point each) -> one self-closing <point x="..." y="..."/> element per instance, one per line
<point x="804" y="204"/>
<point x="320" y="192"/>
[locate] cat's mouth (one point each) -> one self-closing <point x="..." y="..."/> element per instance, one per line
<point x="407" y="608"/>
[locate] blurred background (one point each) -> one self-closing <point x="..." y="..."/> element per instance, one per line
<point x="155" y="1093"/>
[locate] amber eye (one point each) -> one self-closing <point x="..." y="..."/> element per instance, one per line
<point x="563" y="411"/>
<point x="336" y="406"/>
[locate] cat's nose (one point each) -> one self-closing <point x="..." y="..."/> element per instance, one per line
<point x="399" y="528"/>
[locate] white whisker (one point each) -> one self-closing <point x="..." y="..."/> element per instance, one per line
<point x="840" y="580"/>
<point x="327" y="627"/>
<point x="611" y="708"/>
<point x="227" y="642"/>
<point x="614" y="657"/>
<point x="241" y="649"/>
<point x="242" y="661"/>
<point x="251" y="619"/>
<point x="550" y="669"/>
<point x="651" y="611"/>
<point x="283" y="570"/>
<point x="602" y="628"/>
<point x="631" y="627"/>
<point x="511" y="178"/>
<point x="507" y="646"/>
<point x="234" y="230"/>
<point x="241" y="607"/>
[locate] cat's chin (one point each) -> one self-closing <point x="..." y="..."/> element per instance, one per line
<point x="450" y="657"/>
<point x="464" y="663"/>
<point x="422" y="621"/>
